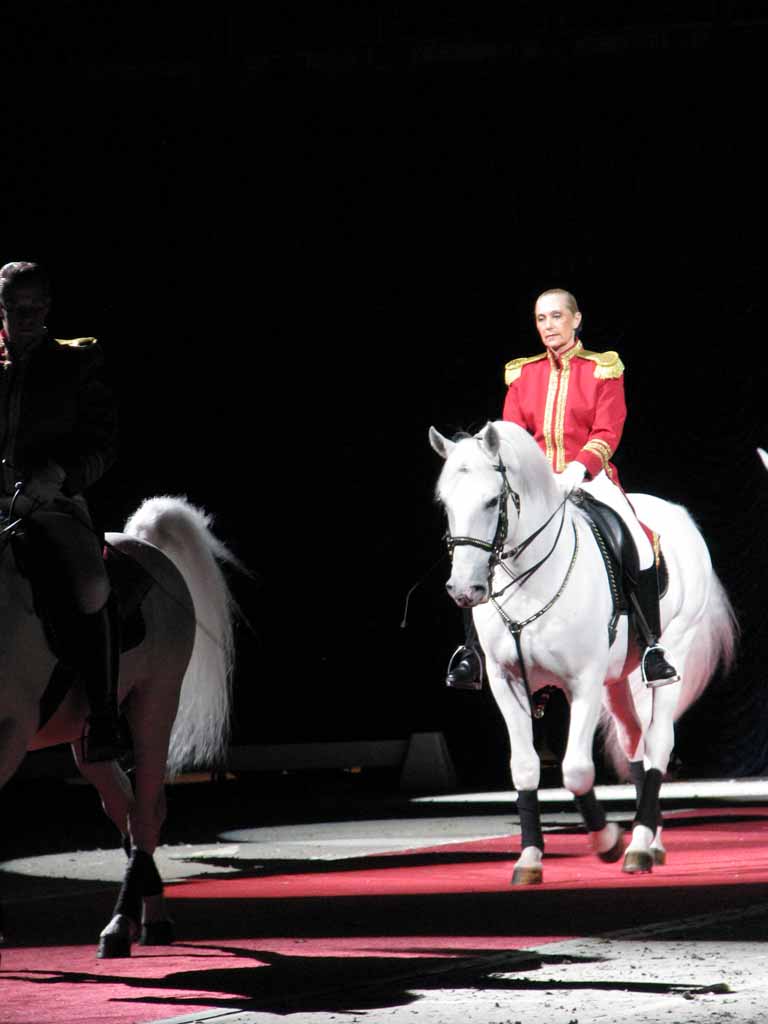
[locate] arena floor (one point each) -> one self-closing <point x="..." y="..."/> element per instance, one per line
<point x="320" y="899"/>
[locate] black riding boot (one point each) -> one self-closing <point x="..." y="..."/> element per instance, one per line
<point x="655" y="668"/>
<point x="465" y="669"/>
<point x="99" y="666"/>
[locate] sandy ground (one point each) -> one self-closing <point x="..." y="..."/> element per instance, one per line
<point x="704" y="968"/>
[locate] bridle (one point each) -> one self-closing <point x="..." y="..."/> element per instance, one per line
<point x="498" y="557"/>
<point x="495" y="547"/>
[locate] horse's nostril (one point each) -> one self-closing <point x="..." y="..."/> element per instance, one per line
<point x="449" y="586"/>
<point x="478" y="588"/>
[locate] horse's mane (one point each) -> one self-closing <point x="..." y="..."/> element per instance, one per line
<point x="520" y="453"/>
<point x="530" y="463"/>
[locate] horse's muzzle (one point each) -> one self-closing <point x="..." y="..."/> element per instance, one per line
<point x="467" y="596"/>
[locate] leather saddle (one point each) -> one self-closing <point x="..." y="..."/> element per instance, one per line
<point x="619" y="553"/>
<point x="130" y="584"/>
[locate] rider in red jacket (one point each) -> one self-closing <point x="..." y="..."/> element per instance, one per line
<point x="572" y="402"/>
<point x="58" y="432"/>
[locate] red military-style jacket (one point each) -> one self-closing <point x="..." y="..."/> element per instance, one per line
<point x="56" y="404"/>
<point x="573" y="406"/>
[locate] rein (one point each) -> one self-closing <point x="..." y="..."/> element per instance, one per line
<point x="516" y="628"/>
<point x="498" y="557"/>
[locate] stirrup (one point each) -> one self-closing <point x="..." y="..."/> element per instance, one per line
<point x="670" y="674"/>
<point x="465" y="670"/>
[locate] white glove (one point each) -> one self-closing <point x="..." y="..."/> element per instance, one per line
<point x="572" y="477"/>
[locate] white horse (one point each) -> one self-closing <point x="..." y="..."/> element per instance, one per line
<point x="174" y="690"/>
<point x="526" y="560"/>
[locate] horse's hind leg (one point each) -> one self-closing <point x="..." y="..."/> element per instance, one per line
<point x="140" y="907"/>
<point x="113" y="786"/>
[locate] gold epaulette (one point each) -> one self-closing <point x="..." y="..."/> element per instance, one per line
<point x="75" y="342"/>
<point x="608" y="367"/>
<point x="514" y="367"/>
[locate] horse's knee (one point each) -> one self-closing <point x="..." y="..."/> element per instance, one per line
<point x="578" y="778"/>
<point x="526" y="775"/>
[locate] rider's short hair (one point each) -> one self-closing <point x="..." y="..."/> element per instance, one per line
<point x="13" y="275"/>
<point x="570" y="298"/>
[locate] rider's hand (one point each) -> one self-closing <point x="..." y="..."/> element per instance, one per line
<point x="45" y="485"/>
<point x="572" y="477"/>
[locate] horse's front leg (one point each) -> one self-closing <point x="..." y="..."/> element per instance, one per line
<point x="646" y="848"/>
<point x="512" y="699"/>
<point x="606" y="838"/>
<point x="16" y="730"/>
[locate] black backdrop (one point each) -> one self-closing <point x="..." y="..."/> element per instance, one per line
<point x="304" y="235"/>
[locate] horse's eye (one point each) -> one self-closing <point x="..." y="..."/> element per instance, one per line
<point x="492" y="503"/>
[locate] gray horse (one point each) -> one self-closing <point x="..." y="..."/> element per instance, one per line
<point x="174" y="689"/>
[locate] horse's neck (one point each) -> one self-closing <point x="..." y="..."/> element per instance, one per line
<point x="553" y="547"/>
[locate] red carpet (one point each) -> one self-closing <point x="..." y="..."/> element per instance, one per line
<point x="283" y="941"/>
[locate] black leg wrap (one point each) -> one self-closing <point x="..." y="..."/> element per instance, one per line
<point x="637" y="775"/>
<point x="591" y="811"/>
<point x="530" y="820"/>
<point x="141" y="879"/>
<point x="648" y="804"/>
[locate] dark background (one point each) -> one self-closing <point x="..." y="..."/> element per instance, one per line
<point x="306" y="232"/>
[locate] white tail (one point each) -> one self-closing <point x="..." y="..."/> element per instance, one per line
<point x="714" y="644"/>
<point x="182" y="532"/>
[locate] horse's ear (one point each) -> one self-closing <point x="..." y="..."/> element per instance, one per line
<point x="490" y="440"/>
<point x="764" y="456"/>
<point x="441" y="444"/>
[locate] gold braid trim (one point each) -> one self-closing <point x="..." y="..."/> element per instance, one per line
<point x="601" y="448"/>
<point x="548" y="409"/>
<point x="75" y="342"/>
<point x="562" y="398"/>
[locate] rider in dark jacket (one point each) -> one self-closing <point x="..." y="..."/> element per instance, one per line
<point x="58" y="434"/>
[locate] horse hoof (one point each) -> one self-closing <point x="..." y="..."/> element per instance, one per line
<point x="113" y="946"/>
<point x="115" y="941"/>
<point x="527" y="876"/>
<point x="659" y="857"/>
<point x="615" y="852"/>
<point x="157" y="933"/>
<point x="637" y="862"/>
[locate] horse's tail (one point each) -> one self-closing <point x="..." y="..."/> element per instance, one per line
<point x="714" y="645"/>
<point x="182" y="532"/>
